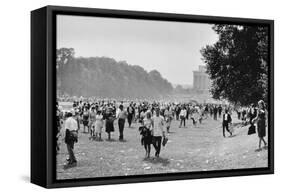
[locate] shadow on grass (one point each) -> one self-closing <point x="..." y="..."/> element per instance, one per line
<point x="123" y="141"/>
<point x="111" y="140"/>
<point x="116" y="140"/>
<point x="154" y="160"/>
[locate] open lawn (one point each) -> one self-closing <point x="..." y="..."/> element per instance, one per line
<point x="200" y="148"/>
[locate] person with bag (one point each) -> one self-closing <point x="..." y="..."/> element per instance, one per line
<point x="252" y="129"/>
<point x="226" y="120"/>
<point x="71" y="137"/>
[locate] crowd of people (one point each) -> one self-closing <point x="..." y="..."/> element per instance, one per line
<point x="154" y="120"/>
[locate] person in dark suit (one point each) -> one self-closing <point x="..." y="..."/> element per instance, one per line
<point x="220" y="110"/>
<point x="226" y="120"/>
<point x="131" y="113"/>
<point x="215" y="111"/>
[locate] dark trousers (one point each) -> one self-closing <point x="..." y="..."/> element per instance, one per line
<point x="146" y="141"/>
<point x="70" y="147"/>
<point x="225" y="127"/>
<point x="130" y="118"/>
<point x="182" y="121"/>
<point x="121" y="124"/>
<point x="157" y="144"/>
<point x="177" y="116"/>
<point x="215" y="116"/>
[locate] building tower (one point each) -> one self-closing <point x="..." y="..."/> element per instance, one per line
<point x="201" y="81"/>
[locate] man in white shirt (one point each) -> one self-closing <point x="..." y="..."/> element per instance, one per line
<point x="71" y="136"/>
<point x="121" y="115"/>
<point x="157" y="131"/>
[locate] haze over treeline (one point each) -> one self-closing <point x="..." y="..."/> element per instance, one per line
<point x="105" y="77"/>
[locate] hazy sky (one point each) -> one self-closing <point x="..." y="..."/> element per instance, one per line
<point x="172" y="48"/>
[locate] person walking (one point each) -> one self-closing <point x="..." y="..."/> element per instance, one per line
<point x="157" y="132"/>
<point x="177" y="110"/>
<point x="121" y="116"/>
<point x="215" y="113"/>
<point x="109" y="122"/>
<point x="148" y="124"/>
<point x="92" y="118"/>
<point x="85" y="119"/>
<point x="70" y="137"/>
<point x="131" y="112"/>
<point x="98" y="125"/>
<point x="168" y="118"/>
<point x="226" y="120"/>
<point x="182" y="116"/>
<point x="261" y="123"/>
<point x="220" y="110"/>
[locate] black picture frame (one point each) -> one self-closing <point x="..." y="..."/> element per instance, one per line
<point x="43" y="96"/>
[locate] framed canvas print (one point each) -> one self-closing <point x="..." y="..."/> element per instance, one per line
<point x="125" y="96"/>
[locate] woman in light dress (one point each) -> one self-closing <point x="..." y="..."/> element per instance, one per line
<point x="98" y="125"/>
<point x="148" y="124"/>
<point x="168" y="114"/>
<point x="92" y="119"/>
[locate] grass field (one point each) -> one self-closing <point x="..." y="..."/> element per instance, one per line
<point x="200" y="148"/>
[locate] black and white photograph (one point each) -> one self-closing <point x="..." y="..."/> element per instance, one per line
<point x="144" y="97"/>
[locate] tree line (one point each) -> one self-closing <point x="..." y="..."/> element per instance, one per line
<point x="106" y="77"/>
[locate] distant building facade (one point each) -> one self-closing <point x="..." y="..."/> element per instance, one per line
<point x="201" y="80"/>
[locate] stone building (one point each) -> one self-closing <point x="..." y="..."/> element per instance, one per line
<point x="201" y="81"/>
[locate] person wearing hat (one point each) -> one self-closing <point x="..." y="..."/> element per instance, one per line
<point x="71" y="136"/>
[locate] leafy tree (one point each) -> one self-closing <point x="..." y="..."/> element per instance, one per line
<point x="64" y="56"/>
<point x="238" y="63"/>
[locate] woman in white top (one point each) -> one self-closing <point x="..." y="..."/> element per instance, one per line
<point x="148" y="124"/>
<point x="98" y="125"/>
